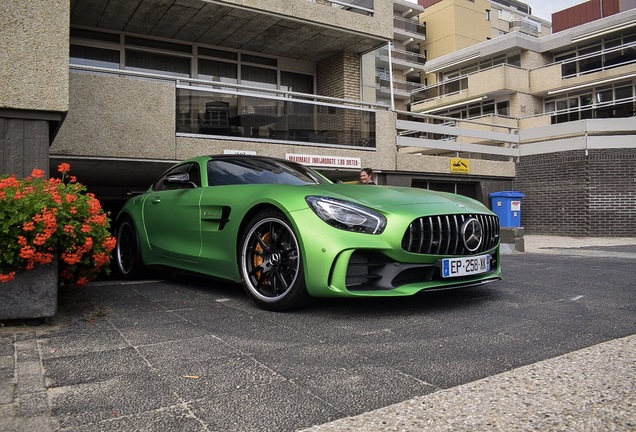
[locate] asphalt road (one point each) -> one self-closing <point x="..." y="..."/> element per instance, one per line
<point x="186" y="354"/>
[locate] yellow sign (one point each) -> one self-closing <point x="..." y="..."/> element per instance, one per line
<point x="460" y="165"/>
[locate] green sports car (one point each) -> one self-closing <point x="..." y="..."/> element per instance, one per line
<point x="287" y="233"/>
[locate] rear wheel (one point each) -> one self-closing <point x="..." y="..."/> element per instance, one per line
<point x="271" y="263"/>
<point x="127" y="251"/>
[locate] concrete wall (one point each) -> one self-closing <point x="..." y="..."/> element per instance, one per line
<point x="415" y="163"/>
<point x="118" y="117"/>
<point x="503" y="78"/>
<point x="318" y="12"/>
<point x="34" y="55"/>
<point x="549" y="77"/>
<point x="455" y="24"/>
<point x="33" y="81"/>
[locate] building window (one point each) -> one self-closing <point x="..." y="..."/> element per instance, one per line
<point x="296" y="82"/>
<point x="259" y="77"/>
<point x="218" y="71"/>
<point x="614" y="101"/>
<point x="603" y="55"/>
<point x="97" y="57"/>
<point x="116" y="51"/>
<point x="141" y="61"/>
<point x="479" y="109"/>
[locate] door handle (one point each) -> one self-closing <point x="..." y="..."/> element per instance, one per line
<point x="155" y="200"/>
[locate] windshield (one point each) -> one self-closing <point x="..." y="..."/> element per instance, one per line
<point x="256" y="170"/>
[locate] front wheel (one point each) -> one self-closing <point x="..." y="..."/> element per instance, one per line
<point x="271" y="263"/>
<point x="127" y="251"/>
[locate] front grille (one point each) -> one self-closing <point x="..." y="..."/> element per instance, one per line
<point x="441" y="235"/>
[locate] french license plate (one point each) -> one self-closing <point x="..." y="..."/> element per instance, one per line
<point x="454" y="267"/>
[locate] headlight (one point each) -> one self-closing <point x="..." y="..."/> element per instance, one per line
<point x="347" y="215"/>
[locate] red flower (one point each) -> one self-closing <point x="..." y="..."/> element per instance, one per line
<point x="37" y="173"/>
<point x="7" y="277"/>
<point x="64" y="168"/>
<point x="41" y="218"/>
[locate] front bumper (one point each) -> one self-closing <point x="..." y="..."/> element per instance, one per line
<point x="372" y="274"/>
<point x="346" y="264"/>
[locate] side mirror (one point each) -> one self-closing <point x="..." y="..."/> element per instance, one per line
<point x="179" y="179"/>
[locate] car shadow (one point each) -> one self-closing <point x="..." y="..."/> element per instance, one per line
<point x="433" y="301"/>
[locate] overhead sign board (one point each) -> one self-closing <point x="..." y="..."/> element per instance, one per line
<point x="325" y="161"/>
<point x="239" y="152"/>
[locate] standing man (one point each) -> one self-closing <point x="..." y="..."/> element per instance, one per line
<point x="366" y="176"/>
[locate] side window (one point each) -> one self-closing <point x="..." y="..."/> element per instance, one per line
<point x="191" y="169"/>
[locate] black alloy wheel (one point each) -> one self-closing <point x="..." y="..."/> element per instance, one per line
<point x="271" y="263"/>
<point x="127" y="252"/>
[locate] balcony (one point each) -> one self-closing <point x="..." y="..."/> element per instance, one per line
<point x="139" y="115"/>
<point x="491" y="82"/>
<point x="294" y="29"/>
<point x="524" y="27"/>
<point x="407" y="9"/>
<point x="402" y="90"/>
<point x="408" y="62"/>
<point x="242" y="114"/>
<point x="431" y="140"/>
<point x="408" y="31"/>
<point x="548" y="80"/>
<point x="365" y="7"/>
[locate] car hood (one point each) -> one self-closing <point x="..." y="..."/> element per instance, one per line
<point x="388" y="198"/>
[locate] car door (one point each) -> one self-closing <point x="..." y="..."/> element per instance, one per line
<point x="172" y="215"/>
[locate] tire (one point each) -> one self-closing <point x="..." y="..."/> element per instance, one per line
<point x="270" y="263"/>
<point x="127" y="251"/>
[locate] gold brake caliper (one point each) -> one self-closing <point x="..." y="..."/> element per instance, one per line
<point x="258" y="259"/>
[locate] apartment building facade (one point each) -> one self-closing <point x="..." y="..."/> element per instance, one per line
<point x="571" y="96"/>
<point x="456" y="24"/>
<point x="121" y="90"/>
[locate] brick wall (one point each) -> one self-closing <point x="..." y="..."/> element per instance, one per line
<point x="612" y="197"/>
<point x="339" y="76"/>
<point x="575" y="194"/>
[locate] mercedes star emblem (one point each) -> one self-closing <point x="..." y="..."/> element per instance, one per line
<point x="472" y="234"/>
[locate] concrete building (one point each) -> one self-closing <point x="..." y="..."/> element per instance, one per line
<point x="569" y="97"/>
<point x="123" y="89"/>
<point x="456" y="24"/>
<point x="398" y="75"/>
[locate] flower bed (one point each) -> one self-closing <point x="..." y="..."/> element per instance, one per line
<point x="40" y="218"/>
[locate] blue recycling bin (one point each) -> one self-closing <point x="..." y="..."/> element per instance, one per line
<point x="507" y="205"/>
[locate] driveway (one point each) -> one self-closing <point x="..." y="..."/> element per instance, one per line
<point x="188" y="354"/>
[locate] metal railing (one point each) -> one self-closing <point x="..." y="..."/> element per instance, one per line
<point x="234" y="111"/>
<point x="437" y="135"/>
<point x="524" y="25"/>
<point x="597" y="61"/>
<point x="365" y="7"/>
<point x="452" y="86"/>
<point x="408" y="56"/>
<point x="409" y="25"/>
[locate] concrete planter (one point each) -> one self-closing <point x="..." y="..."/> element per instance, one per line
<point x="32" y="294"/>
